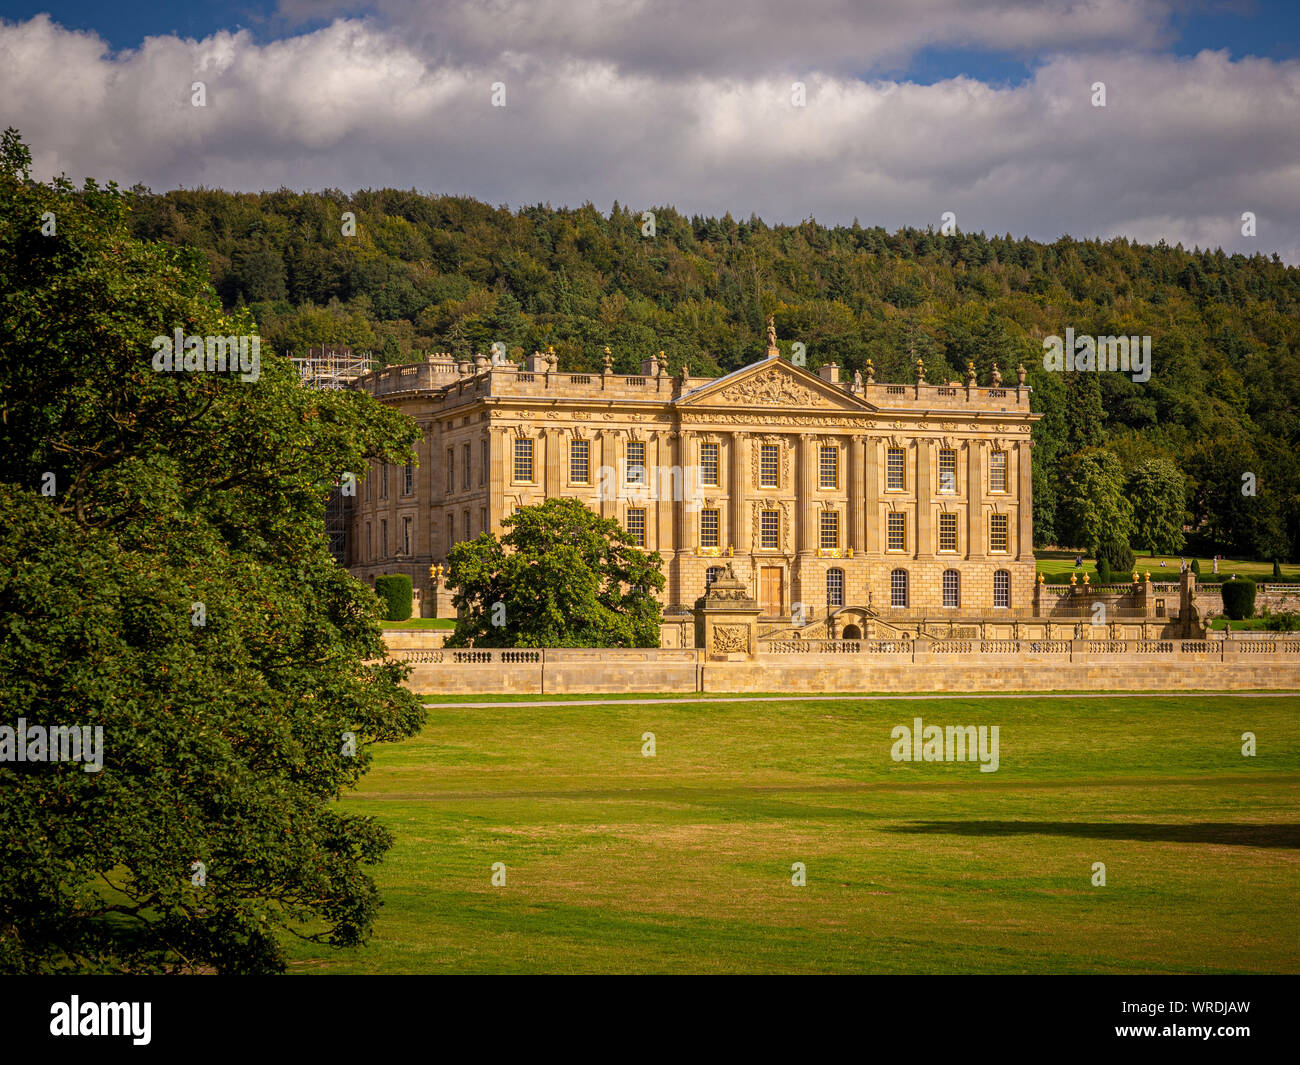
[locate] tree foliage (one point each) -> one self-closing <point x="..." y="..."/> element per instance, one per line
<point x="1094" y="508"/>
<point x="1158" y="491"/>
<point x="561" y="576"/>
<point x="165" y="576"/>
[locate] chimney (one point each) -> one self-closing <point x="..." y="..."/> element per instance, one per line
<point x="830" y="373"/>
<point x="650" y="367"/>
<point x="535" y="363"/>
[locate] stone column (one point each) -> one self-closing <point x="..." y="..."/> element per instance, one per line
<point x="554" y="439"/>
<point x="975" y="499"/>
<point x="1025" y="512"/>
<point x="737" y="490"/>
<point x="871" y="495"/>
<point x="608" y="449"/>
<point x="498" y="472"/>
<point x="805" y="494"/>
<point x="853" y="471"/>
<point x="659" y="456"/>
<point x="924" y="498"/>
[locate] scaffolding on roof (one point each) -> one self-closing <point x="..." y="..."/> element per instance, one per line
<point x="331" y="367"/>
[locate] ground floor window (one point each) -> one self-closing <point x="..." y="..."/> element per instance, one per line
<point x="835" y="587"/>
<point x="1002" y="588"/>
<point x="951" y="588"/>
<point x="898" y="588"/>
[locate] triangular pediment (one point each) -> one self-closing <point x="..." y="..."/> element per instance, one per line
<point x="776" y="385"/>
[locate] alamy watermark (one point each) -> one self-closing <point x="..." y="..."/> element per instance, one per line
<point x="678" y="484"/>
<point x="956" y="743"/>
<point x="210" y="354"/>
<point x="62" y="743"/>
<point x="1086" y="354"/>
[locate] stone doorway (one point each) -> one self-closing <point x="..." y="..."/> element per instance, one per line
<point x="771" y="591"/>
<point x="851" y="632"/>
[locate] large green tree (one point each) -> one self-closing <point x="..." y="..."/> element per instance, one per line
<point x="1093" y="505"/>
<point x="165" y="578"/>
<point x="560" y="576"/>
<point x="1158" y="492"/>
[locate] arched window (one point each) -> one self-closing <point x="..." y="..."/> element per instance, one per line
<point x="951" y="588"/>
<point x="711" y="574"/>
<point x="898" y="588"/>
<point x="1002" y="588"/>
<point x="835" y="587"/>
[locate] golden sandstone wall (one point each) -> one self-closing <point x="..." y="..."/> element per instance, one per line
<point x="871" y="666"/>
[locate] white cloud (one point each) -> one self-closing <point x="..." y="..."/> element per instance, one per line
<point x="1181" y="149"/>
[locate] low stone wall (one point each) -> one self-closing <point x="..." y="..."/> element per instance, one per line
<point x="869" y="666"/>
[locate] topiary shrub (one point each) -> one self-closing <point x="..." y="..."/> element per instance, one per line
<point x="394" y="591"/>
<point x="1196" y="566"/>
<point x="1103" y="571"/>
<point x="1238" y="599"/>
<point x="1277" y="571"/>
<point x="1117" y="553"/>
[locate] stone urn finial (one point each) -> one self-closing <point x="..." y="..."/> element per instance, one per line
<point x="609" y="361"/>
<point x="1073" y="579"/>
<point x="920" y="372"/>
<point x="871" y="373"/>
<point x="970" y="374"/>
<point x="997" y="376"/>
<point x="1020" y="375"/>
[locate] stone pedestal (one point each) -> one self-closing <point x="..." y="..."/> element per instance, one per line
<point x="726" y="620"/>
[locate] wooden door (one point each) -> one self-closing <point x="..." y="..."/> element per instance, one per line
<point x="770" y="590"/>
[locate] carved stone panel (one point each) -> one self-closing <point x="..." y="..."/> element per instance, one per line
<point x="731" y="639"/>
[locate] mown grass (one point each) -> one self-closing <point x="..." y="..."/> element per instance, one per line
<point x="420" y="623"/>
<point x="1056" y="567"/>
<point x="682" y="862"/>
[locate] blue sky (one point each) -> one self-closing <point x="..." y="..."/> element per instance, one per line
<point x="1265" y="28"/>
<point x="893" y="112"/>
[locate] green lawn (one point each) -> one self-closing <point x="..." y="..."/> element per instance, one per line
<point x="421" y="623"/>
<point x="682" y="862"/>
<point x="1057" y="566"/>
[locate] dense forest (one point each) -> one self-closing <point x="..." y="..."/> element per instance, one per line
<point x="1208" y="444"/>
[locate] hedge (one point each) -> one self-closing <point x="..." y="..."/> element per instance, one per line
<point x="1238" y="599"/>
<point x="394" y="591"/>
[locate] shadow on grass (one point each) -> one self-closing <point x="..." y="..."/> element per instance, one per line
<point x="1217" y="833"/>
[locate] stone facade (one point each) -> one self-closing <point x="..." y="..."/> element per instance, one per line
<point x="820" y="494"/>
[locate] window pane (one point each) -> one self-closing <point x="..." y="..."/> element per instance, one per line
<point x="709" y="465"/>
<point x="708" y="528"/>
<point x="835" y="587"/>
<point x="997" y="532"/>
<point x="636" y="526"/>
<point x="898" y="588"/>
<point x="998" y="471"/>
<point x="947" y="471"/>
<point x="897" y="539"/>
<point x="769" y="469"/>
<point x="830" y="529"/>
<point x="895" y="468"/>
<point x="1002" y="588"/>
<point x="524" y="460"/>
<point x="579" y="461"/>
<point x="770" y="529"/>
<point x="951" y="588"/>
<point x="635" y="462"/>
<point x="947" y="532"/>
<point x="829" y="467"/>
